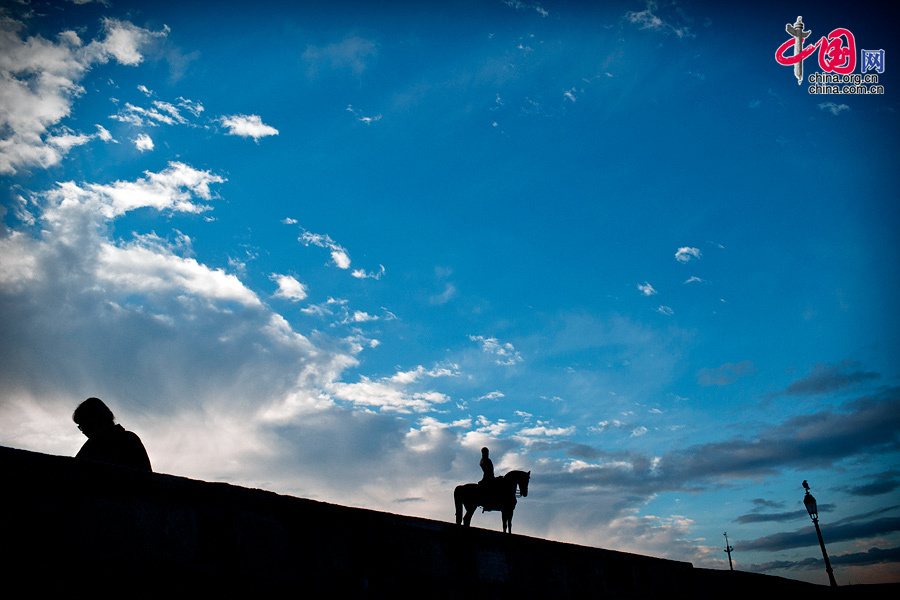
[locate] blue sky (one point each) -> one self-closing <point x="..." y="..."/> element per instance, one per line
<point x="333" y="249"/>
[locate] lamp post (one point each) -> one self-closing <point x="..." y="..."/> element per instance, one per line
<point x="813" y="511"/>
<point x="729" y="550"/>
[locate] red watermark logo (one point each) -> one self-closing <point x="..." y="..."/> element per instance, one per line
<point x="837" y="55"/>
<point x="837" y="50"/>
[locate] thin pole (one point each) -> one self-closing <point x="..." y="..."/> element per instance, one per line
<point x="825" y="554"/>
<point x="728" y="549"/>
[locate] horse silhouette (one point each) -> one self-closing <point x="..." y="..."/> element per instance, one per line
<point x="499" y="494"/>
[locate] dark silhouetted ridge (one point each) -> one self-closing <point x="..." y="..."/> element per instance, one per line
<point x="85" y="528"/>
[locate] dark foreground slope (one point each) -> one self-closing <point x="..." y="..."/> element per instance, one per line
<point x="75" y="526"/>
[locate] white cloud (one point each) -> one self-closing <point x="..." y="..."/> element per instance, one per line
<point x="103" y="134"/>
<point x="363" y="317"/>
<point x="39" y="80"/>
<point x="74" y="216"/>
<point x="694" y="279"/>
<point x="396" y="393"/>
<point x="171" y="109"/>
<point x="142" y="117"/>
<point x="519" y="5"/>
<point x="833" y="108"/>
<point x="542" y="430"/>
<point x="66" y="141"/>
<point x="289" y="288"/>
<point x="360" y="117"/>
<point x="339" y="254"/>
<point x="248" y="126"/>
<point x="639" y="431"/>
<point x="142" y="326"/>
<point x="665" y="310"/>
<point x="19" y="260"/>
<point x="687" y="253"/>
<point x="123" y="42"/>
<point x="174" y="188"/>
<point x="143" y="142"/>
<point x="647" y="289"/>
<point x="195" y="108"/>
<point x="649" y="19"/>
<point x="362" y="274"/>
<point x="146" y="266"/>
<point x="505" y="353"/>
<point x="340" y="258"/>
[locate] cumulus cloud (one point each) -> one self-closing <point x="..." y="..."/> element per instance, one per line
<point x="124" y="42"/>
<point x="75" y="215"/>
<point x="248" y="126"/>
<point x="398" y="393"/>
<point x="543" y="429"/>
<point x="363" y="274"/>
<point x="39" y="81"/>
<point x="143" y="142"/>
<point x="147" y="267"/>
<point x="504" y="353"/>
<point x="175" y="188"/>
<point x="289" y="288"/>
<point x="340" y="257"/>
<point x="167" y="339"/>
<point x="647" y="289"/>
<point x="338" y="253"/>
<point x="687" y="253"/>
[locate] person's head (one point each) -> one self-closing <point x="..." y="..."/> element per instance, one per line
<point x="484" y="451"/>
<point x="93" y="416"/>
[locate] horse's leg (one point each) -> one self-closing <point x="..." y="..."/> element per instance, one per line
<point x="467" y="520"/>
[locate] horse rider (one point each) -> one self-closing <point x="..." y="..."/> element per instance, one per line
<point x="487" y="467"/>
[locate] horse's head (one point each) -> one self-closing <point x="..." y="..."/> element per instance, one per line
<point x="523" y="483"/>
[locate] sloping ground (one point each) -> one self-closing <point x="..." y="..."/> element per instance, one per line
<point x="72" y="526"/>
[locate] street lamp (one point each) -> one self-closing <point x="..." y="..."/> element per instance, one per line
<point x="729" y="550"/>
<point x="813" y="511"/>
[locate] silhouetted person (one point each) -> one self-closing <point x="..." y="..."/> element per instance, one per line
<point x="107" y="441"/>
<point x="487" y="467"/>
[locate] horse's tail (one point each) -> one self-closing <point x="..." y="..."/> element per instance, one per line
<point x="459" y="507"/>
